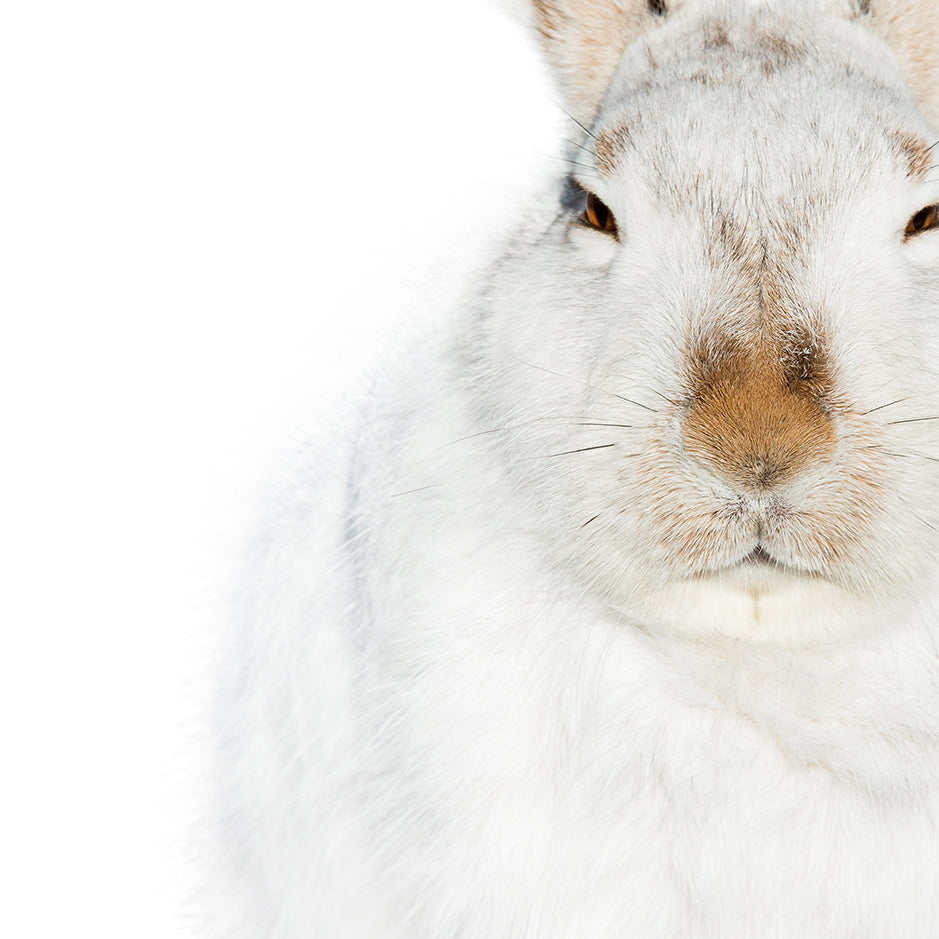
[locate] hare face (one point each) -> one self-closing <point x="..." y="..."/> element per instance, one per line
<point x="727" y="399"/>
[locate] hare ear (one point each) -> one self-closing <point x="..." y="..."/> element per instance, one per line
<point x="583" y="41"/>
<point x="911" y="29"/>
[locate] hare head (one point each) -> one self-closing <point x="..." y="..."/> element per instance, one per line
<point x="716" y="347"/>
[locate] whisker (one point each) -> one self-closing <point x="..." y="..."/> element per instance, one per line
<point x="880" y="407"/>
<point x="578" y="144"/>
<point x="586" y="130"/>
<point x="603" y="446"/>
<point x="910" y="456"/>
<point x="585" y="166"/>
<point x="638" y="404"/>
<point x="408" y="492"/>
<point x="664" y="397"/>
<point x="603" y="424"/>
<point x="913" y="420"/>
<point x="589" y="520"/>
<point x="558" y="418"/>
<point x="613" y="394"/>
<point x="575" y="421"/>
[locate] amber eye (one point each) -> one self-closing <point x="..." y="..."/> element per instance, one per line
<point x="597" y="215"/>
<point x="923" y="220"/>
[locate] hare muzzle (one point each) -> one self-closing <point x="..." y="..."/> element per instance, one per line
<point x="758" y="414"/>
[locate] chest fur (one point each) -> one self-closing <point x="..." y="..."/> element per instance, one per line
<point x="575" y="777"/>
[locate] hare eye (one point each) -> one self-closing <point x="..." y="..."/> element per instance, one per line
<point x="597" y="215"/>
<point x="923" y="220"/>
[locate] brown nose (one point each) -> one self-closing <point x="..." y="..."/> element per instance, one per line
<point x="757" y="416"/>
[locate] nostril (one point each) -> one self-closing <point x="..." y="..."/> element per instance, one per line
<point x="760" y="472"/>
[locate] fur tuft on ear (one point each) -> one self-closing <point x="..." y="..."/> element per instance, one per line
<point x="520" y="10"/>
<point x="911" y="29"/>
<point x="583" y="41"/>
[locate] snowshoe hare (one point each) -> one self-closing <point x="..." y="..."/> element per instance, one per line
<point x="617" y="614"/>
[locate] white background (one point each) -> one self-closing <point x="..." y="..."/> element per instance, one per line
<point x="210" y="214"/>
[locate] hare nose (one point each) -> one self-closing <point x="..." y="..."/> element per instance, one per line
<point x="761" y="470"/>
<point x="756" y="417"/>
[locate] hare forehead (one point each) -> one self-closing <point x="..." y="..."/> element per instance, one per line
<point x="755" y="107"/>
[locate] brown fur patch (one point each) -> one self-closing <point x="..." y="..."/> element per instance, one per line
<point x="780" y="47"/>
<point x="547" y="17"/>
<point x="702" y="76"/>
<point x="914" y="153"/>
<point x="757" y="413"/>
<point x="777" y="52"/>
<point x="715" y="35"/>
<point x="610" y="145"/>
<point x="732" y="241"/>
<point x="735" y="247"/>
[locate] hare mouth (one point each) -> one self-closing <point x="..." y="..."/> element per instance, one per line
<point x="760" y="564"/>
<point x="760" y="556"/>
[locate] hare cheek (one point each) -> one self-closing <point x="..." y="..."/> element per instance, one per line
<point x="595" y="249"/>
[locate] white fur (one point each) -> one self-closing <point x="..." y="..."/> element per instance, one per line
<point x="480" y="697"/>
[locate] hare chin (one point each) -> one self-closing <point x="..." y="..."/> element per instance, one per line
<point x="760" y="602"/>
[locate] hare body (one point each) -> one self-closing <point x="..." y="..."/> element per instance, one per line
<point x="616" y="615"/>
